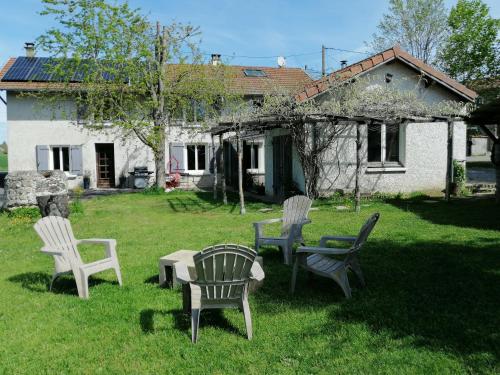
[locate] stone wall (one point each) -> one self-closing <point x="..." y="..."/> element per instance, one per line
<point x="23" y="187"/>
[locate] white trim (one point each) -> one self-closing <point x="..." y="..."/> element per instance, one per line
<point x="385" y="169"/>
<point x="51" y="157"/>
<point x="196" y="172"/>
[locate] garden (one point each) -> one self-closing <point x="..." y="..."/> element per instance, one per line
<point x="430" y="305"/>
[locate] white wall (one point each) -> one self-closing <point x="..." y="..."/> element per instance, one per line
<point x="30" y="123"/>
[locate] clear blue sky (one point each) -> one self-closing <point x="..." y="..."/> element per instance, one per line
<point x="241" y="30"/>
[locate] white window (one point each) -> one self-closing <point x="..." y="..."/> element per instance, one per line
<point x="384" y="145"/>
<point x="196" y="157"/>
<point x="252" y="155"/>
<point x="60" y="158"/>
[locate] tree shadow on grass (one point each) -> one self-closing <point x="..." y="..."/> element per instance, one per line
<point x="464" y="213"/>
<point x="439" y="295"/>
<point x="182" y="321"/>
<point x="39" y="282"/>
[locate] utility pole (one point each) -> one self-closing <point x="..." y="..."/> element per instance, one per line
<point x="323" y="61"/>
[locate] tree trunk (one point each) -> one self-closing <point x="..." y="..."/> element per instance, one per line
<point x="159" y="154"/>
<point x="357" y="190"/>
<point x="222" y="171"/>
<point x="449" y="162"/>
<point x="240" y="176"/>
<point x="214" y="153"/>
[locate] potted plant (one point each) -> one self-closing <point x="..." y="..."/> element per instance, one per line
<point x="86" y="180"/>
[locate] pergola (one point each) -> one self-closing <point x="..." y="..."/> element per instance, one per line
<point x="259" y="125"/>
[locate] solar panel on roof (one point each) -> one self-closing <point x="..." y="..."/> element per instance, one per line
<point x="20" y="70"/>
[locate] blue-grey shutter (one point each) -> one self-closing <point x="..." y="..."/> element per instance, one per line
<point x="177" y="163"/>
<point x="42" y="157"/>
<point x="76" y="160"/>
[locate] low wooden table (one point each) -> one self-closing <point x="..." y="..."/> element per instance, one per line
<point x="166" y="266"/>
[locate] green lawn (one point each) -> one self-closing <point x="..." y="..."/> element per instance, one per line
<point x="431" y="304"/>
<point x="3" y="162"/>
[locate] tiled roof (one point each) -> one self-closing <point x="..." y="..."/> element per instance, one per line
<point x="291" y="79"/>
<point x="395" y="53"/>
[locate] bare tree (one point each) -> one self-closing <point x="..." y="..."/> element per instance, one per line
<point x="419" y="26"/>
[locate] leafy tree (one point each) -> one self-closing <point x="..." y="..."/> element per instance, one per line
<point x="472" y="48"/>
<point x="418" y="26"/>
<point x="130" y="74"/>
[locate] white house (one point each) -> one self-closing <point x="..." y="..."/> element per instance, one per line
<point x="406" y="158"/>
<point x="40" y="139"/>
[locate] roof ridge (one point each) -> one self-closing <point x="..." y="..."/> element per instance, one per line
<point x="395" y="52"/>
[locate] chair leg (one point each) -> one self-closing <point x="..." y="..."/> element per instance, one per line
<point x="54" y="277"/>
<point x="195" y="322"/>
<point x="342" y="280"/>
<point x="248" y="317"/>
<point x="83" y="288"/>
<point x="294" y="274"/>
<point x="118" y="273"/>
<point x="257" y="245"/>
<point x="356" y="268"/>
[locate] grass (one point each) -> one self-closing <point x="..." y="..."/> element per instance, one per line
<point x="430" y="306"/>
<point x="3" y="162"/>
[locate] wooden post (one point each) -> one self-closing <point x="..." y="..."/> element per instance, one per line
<point x="240" y="173"/>
<point x="357" y="190"/>
<point x="214" y="153"/>
<point x="222" y="171"/>
<point x="449" y="161"/>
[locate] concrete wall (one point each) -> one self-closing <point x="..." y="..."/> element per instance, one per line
<point x="423" y="151"/>
<point x="30" y="123"/>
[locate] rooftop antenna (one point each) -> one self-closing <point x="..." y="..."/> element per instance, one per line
<point x="281" y="61"/>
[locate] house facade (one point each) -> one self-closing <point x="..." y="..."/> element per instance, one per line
<point x="41" y="138"/>
<point x="395" y="158"/>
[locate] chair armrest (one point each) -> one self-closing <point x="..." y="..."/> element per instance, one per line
<point x="108" y="242"/>
<point x="182" y="272"/>
<point x="325" y="239"/>
<point x="268" y="221"/>
<point x="259" y="230"/>
<point x="256" y="272"/>
<point x="322" y="250"/>
<point x="49" y="251"/>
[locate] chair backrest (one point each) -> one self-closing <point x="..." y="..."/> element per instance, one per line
<point x="295" y="209"/>
<point x="365" y="231"/>
<point x="56" y="233"/>
<point x="223" y="271"/>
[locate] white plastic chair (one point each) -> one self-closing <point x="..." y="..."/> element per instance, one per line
<point x="317" y="260"/>
<point x="295" y="211"/>
<point x="222" y="276"/>
<point x="57" y="235"/>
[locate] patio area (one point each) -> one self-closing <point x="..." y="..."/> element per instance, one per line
<point x="430" y="305"/>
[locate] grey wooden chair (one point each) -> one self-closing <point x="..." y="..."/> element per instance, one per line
<point x="295" y="211"/>
<point x="57" y="235"/>
<point x="317" y="260"/>
<point x="222" y="276"/>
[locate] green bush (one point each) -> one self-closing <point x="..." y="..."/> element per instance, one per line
<point x="458" y="173"/>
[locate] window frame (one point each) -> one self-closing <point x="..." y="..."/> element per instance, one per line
<point x="198" y="171"/>
<point x="383" y="164"/>
<point x="61" y="163"/>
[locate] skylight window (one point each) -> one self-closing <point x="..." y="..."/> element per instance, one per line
<point x="254" y="73"/>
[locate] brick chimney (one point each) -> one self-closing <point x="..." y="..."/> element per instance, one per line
<point x="215" y="60"/>
<point x="30" y="49"/>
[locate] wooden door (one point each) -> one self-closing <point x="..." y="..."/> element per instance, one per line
<point x="105" y="160"/>
<point x="282" y="166"/>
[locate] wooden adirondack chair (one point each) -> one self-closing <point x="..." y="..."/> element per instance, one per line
<point x="295" y="211"/>
<point x="57" y="235"/>
<point x="222" y="276"/>
<point x="320" y="264"/>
